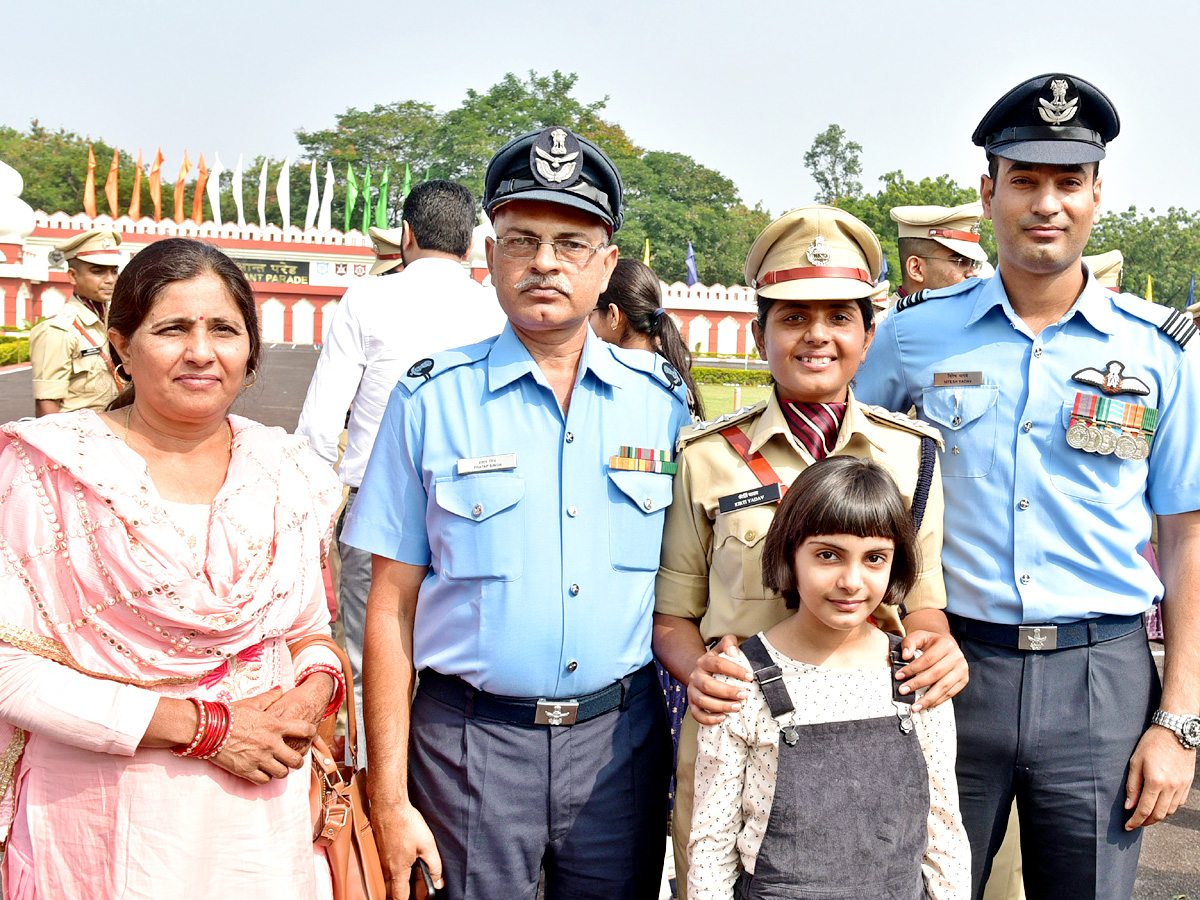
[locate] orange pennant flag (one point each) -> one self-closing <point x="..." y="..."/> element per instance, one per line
<point x="201" y="181"/>
<point x="135" y="202"/>
<point x="89" y="187"/>
<point x="156" y="185"/>
<point x="183" y="170"/>
<point x="110" y="185"/>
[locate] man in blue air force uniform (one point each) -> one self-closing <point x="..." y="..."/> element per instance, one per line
<point x="1068" y="413"/>
<point x="514" y="505"/>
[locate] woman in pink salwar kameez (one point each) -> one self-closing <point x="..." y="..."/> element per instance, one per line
<point x="161" y="551"/>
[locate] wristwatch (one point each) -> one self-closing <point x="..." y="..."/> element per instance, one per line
<point x="1186" y="728"/>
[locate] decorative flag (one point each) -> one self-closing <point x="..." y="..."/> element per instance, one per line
<point x="646" y="254"/>
<point x="366" y="217"/>
<point x="325" y="217"/>
<point x="1149" y="288"/>
<point x="310" y="215"/>
<point x="283" y="192"/>
<point x="381" y="207"/>
<point x="238" y="199"/>
<point x="156" y="185"/>
<point x="179" y="189"/>
<point x="351" y="196"/>
<point x="198" y="197"/>
<point x="883" y="274"/>
<point x="407" y="184"/>
<point x="1191" y="292"/>
<point x="110" y="185"/>
<point x="690" y="262"/>
<point x="135" y="202"/>
<point x="89" y="186"/>
<point x="214" y="191"/>
<point x="262" y="197"/>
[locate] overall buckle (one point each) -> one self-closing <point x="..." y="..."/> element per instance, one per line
<point x="556" y="712"/>
<point x="1037" y="637"/>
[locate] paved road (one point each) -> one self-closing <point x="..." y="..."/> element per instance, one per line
<point x="1170" y="867"/>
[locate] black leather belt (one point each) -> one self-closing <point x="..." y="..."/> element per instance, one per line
<point x="531" y="711"/>
<point x="1046" y="637"/>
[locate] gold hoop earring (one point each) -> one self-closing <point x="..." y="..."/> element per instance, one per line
<point x="253" y="378"/>
<point x="122" y="377"/>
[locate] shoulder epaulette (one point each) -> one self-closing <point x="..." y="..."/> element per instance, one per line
<point x="882" y="416"/>
<point x="1176" y="325"/>
<point x="690" y="433"/>
<point x="654" y="365"/>
<point x="430" y="367"/>
<point x="930" y="293"/>
<point x="911" y="300"/>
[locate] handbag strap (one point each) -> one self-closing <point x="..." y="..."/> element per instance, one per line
<point x="347" y="702"/>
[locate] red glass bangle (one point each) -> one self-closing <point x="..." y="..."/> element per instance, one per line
<point x="212" y="732"/>
<point x="339" y="685"/>
<point x="201" y="727"/>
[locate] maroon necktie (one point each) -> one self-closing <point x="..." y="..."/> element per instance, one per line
<point x="815" y="425"/>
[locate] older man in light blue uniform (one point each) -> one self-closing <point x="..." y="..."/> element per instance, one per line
<point x="514" y="503"/>
<point x="1069" y="415"/>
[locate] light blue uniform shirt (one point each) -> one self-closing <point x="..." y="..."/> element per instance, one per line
<point x="1037" y="531"/>
<point x="541" y="577"/>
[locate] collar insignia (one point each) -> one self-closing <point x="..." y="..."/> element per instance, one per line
<point x="1112" y="379"/>
<point x="1058" y="110"/>
<point x="818" y="253"/>
<point x="554" y="158"/>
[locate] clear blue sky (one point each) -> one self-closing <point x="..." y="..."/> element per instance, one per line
<point x="743" y="88"/>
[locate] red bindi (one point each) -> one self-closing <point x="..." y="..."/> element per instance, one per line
<point x="202" y="318"/>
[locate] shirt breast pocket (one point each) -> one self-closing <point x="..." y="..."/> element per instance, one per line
<point x="968" y="419"/>
<point x="636" y="501"/>
<point x="738" y="539"/>
<point x="1088" y="476"/>
<point x="481" y="526"/>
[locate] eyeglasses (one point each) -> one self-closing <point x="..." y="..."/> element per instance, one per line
<point x="523" y="246"/>
<point x="959" y="262"/>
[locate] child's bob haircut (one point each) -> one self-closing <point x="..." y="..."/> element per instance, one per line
<point x="841" y="495"/>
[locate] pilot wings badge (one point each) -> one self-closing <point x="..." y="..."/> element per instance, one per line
<point x="818" y="252"/>
<point x="1112" y="380"/>
<point x="1058" y="109"/>
<point x="555" y="158"/>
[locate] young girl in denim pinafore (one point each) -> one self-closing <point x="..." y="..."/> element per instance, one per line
<point x="825" y="784"/>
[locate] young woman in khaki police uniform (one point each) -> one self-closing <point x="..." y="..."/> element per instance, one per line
<point x="814" y="270"/>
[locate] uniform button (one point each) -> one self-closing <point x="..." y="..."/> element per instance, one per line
<point x="570" y="437"/>
<point x="572" y="511"/>
<point x="1025" y="579"/>
<point x="955" y="450"/>
<point x="956" y="421"/>
<point x="1024" y="504"/>
<point x="749" y="536"/>
<point x="648" y="503"/>
<point x="1027" y="427"/>
<point x="477" y="511"/>
<point x="1037" y="351"/>
<point x="572" y="666"/>
<point x="574" y="590"/>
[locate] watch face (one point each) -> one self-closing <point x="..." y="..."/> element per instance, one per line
<point x="1190" y="732"/>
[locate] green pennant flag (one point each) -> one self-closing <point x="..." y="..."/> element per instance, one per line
<point x="381" y="207"/>
<point x="407" y="182"/>
<point x="351" y="196"/>
<point x="366" y="219"/>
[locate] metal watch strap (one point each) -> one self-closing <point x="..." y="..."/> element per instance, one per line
<point x="1186" y="728"/>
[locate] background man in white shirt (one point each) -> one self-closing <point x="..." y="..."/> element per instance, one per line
<point x="383" y="326"/>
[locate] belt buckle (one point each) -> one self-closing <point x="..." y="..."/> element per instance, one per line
<point x="556" y="712"/>
<point x="1037" y="637"/>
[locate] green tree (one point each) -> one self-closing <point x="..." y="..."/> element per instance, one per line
<point x="834" y="164"/>
<point x="1165" y="247"/>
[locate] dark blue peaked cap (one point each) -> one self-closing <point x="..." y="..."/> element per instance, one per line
<point x="1055" y="118"/>
<point x="556" y="166"/>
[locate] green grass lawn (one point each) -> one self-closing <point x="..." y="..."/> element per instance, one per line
<point x="718" y="398"/>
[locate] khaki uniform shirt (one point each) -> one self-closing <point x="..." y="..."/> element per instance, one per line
<point x="711" y="566"/>
<point x="71" y="365"/>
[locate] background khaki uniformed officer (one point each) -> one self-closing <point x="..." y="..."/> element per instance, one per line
<point x="939" y="246"/>
<point x="71" y="368"/>
<point x="1107" y="268"/>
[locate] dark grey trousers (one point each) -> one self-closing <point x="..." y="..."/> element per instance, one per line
<point x="354" y="584"/>
<point x="587" y="802"/>
<point x="1055" y="730"/>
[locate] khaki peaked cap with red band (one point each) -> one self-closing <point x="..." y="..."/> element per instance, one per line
<point x="1107" y="268"/>
<point x="386" y="244"/>
<point x="815" y="253"/>
<point x="955" y="227"/>
<point x="98" y="247"/>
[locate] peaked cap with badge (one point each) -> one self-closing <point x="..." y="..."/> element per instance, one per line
<point x="815" y="253"/>
<point x="386" y="244"/>
<point x="1055" y="119"/>
<point x="556" y="166"/>
<point x="956" y="228"/>
<point x="98" y="247"/>
<point x="1107" y="268"/>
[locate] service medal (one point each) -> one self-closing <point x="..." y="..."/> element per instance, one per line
<point x="1092" y="444"/>
<point x="1077" y="435"/>
<point x="1108" y="441"/>
<point x="1126" y="447"/>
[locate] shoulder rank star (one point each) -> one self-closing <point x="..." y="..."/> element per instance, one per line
<point x="1112" y="380"/>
